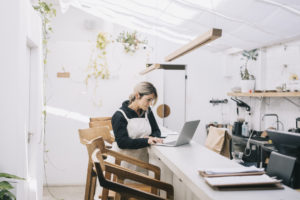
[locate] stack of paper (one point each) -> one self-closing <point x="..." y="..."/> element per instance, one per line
<point x="165" y="131"/>
<point x="241" y="178"/>
<point x="237" y="171"/>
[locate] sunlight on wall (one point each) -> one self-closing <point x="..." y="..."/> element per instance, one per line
<point x="67" y="114"/>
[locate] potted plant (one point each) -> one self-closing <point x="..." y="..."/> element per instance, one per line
<point x="248" y="79"/>
<point x="5" y="186"/>
<point x="130" y="41"/>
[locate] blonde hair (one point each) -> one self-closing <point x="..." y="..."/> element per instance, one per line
<point x="143" y="88"/>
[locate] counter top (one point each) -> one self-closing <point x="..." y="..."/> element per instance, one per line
<point x="186" y="160"/>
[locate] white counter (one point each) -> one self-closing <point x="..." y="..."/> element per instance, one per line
<point x="185" y="161"/>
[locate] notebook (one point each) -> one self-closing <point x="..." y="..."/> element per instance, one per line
<point x="184" y="137"/>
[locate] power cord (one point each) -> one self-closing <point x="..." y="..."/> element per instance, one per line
<point x="248" y="145"/>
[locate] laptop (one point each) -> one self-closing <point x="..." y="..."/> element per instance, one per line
<point x="184" y="137"/>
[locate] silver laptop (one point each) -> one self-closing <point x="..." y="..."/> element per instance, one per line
<point x="184" y="137"/>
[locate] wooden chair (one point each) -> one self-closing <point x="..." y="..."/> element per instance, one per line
<point x="93" y="119"/>
<point x="106" y="123"/>
<point x="86" y="136"/>
<point x="97" y="149"/>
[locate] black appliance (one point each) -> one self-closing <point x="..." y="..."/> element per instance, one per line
<point x="240" y="103"/>
<point x="297" y="129"/>
<point x="237" y="128"/>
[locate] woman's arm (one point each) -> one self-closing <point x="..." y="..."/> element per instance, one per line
<point x="119" y="124"/>
<point x="154" y="126"/>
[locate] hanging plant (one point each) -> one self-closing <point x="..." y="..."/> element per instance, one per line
<point x="130" y="41"/>
<point x="47" y="12"/>
<point x="98" y="67"/>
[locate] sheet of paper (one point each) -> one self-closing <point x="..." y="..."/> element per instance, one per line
<point x="165" y="131"/>
<point x="232" y="170"/>
<point x="240" y="180"/>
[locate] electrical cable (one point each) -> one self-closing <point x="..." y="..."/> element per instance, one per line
<point x="248" y="145"/>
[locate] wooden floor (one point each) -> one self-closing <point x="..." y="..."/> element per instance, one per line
<point x="72" y="192"/>
<point x="64" y="192"/>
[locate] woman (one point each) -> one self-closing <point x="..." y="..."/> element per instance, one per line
<point x="134" y="125"/>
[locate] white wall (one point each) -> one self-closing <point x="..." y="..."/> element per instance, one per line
<point x="20" y="37"/>
<point x="210" y="75"/>
<point x="70" y="47"/>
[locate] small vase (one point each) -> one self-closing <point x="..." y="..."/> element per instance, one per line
<point x="248" y="86"/>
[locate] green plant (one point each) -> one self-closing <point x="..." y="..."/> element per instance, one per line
<point x="248" y="55"/>
<point x="47" y="12"/>
<point x="98" y="67"/>
<point x="5" y="186"/>
<point x="130" y="41"/>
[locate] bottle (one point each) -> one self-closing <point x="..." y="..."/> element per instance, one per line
<point x="245" y="129"/>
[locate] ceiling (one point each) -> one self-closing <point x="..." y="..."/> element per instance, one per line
<point x="246" y="24"/>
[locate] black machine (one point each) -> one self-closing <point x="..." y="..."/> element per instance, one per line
<point x="240" y="103"/>
<point x="288" y="144"/>
<point x="297" y="129"/>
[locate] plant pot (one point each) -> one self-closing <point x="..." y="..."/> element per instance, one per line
<point x="248" y="86"/>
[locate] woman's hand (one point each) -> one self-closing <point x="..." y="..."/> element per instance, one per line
<point x="154" y="140"/>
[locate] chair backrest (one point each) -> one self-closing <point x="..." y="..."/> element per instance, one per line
<point x="95" y="150"/>
<point x="281" y="166"/>
<point x="89" y="134"/>
<point x="106" y="123"/>
<point x="92" y="119"/>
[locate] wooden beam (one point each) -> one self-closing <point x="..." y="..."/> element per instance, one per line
<point x="199" y="41"/>
<point x="150" y="68"/>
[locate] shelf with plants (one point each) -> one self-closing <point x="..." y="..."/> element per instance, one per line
<point x="265" y="94"/>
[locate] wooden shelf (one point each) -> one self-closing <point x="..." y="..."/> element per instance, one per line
<point x="265" y="94"/>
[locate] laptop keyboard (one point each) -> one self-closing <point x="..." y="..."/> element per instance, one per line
<point x="170" y="142"/>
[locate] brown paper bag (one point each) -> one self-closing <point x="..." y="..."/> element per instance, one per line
<point x="218" y="140"/>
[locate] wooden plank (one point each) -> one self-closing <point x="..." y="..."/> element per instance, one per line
<point x="150" y="68"/>
<point x="265" y="94"/>
<point x="63" y="74"/>
<point x="199" y="41"/>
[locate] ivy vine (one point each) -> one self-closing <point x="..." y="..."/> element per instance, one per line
<point x="46" y="12"/>
<point x="98" y="67"/>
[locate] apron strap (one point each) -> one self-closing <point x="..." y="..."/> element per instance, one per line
<point x="146" y="114"/>
<point x="123" y="114"/>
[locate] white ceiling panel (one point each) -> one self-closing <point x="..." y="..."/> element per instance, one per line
<point x="256" y="12"/>
<point x="288" y="2"/>
<point x="282" y="22"/>
<point x="246" y="24"/>
<point x="253" y="35"/>
<point x="234" y="8"/>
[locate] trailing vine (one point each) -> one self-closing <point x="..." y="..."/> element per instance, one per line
<point x="130" y="41"/>
<point x="98" y="67"/>
<point x="46" y="12"/>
